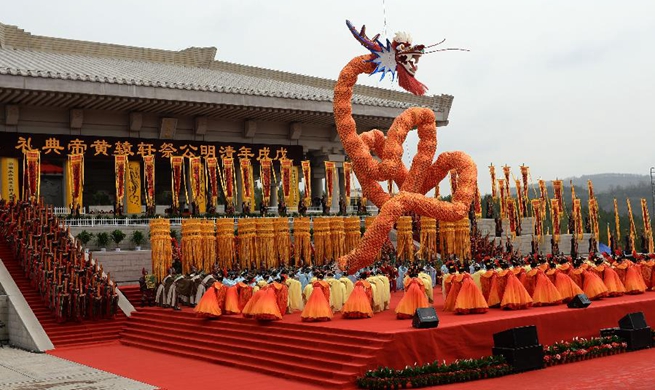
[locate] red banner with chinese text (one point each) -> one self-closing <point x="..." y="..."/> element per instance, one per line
<point x="306" y="176"/>
<point x="32" y="174"/>
<point x="211" y="164"/>
<point x="265" y="168"/>
<point x="120" y="168"/>
<point x="554" y="215"/>
<point x="247" y="184"/>
<point x="177" y="166"/>
<point x="149" y="180"/>
<point x="558" y="189"/>
<point x="330" y="171"/>
<point x="286" y="166"/>
<point x="75" y="180"/>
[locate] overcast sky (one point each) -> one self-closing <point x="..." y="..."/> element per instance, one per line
<point x="566" y="87"/>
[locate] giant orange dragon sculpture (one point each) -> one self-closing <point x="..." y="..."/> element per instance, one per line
<point x="399" y="58"/>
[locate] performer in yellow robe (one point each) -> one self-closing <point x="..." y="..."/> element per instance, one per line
<point x="307" y="292"/>
<point x="337" y="293"/>
<point x="349" y="285"/>
<point x="295" y="294"/>
<point x="376" y="286"/>
<point x="427" y="285"/>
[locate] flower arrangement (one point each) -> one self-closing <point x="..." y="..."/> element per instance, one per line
<point x="582" y="349"/>
<point x="435" y="373"/>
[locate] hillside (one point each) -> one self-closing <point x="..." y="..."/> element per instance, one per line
<point x="606" y="182"/>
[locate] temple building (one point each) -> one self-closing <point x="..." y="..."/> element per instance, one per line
<point x="96" y="100"/>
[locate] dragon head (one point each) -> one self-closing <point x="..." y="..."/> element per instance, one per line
<point x="399" y="57"/>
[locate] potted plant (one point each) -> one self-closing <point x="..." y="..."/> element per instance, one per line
<point x="84" y="238"/>
<point x="117" y="236"/>
<point x="102" y="239"/>
<point x="137" y="239"/>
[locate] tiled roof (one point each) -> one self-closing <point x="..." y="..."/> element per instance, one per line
<point x="229" y="78"/>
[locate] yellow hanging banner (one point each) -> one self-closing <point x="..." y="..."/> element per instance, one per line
<point x="9" y="171"/>
<point x="134" y="187"/>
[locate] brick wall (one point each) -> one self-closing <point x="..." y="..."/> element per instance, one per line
<point x="124" y="266"/>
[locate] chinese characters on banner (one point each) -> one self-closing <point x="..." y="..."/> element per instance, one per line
<point x="217" y="162"/>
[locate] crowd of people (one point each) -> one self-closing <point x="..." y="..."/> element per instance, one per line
<point x="72" y="285"/>
<point x="510" y="282"/>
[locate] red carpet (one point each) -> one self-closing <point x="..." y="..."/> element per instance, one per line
<point x="285" y="349"/>
<point x="626" y="371"/>
<point x="172" y="372"/>
<point x="66" y="334"/>
<point x="133" y="294"/>
<point x="334" y="353"/>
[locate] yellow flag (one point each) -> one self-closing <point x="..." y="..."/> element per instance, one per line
<point x="134" y="187"/>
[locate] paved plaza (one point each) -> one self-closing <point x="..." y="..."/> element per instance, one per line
<point x="21" y="370"/>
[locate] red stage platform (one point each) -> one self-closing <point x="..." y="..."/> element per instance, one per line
<point x="335" y="352"/>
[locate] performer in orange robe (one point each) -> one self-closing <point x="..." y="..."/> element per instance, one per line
<point x="318" y="305"/>
<point x="470" y="299"/>
<point x="212" y="302"/>
<point x="488" y="284"/>
<point x="593" y="285"/>
<point x="514" y="295"/>
<point x="530" y="280"/>
<point x="576" y="273"/>
<point x="634" y="281"/>
<point x="232" y="301"/>
<point x="565" y="285"/>
<point x="245" y="291"/>
<point x="611" y="279"/>
<point x="282" y="295"/>
<point x="358" y="304"/>
<point x="545" y="292"/>
<point x="414" y="297"/>
<point x="265" y="308"/>
<point x="646" y="267"/>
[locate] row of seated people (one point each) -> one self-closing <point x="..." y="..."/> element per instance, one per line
<point x="72" y="285"/>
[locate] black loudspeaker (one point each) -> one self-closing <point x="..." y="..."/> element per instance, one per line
<point x="525" y="336"/>
<point x="633" y="321"/>
<point x="636" y="338"/>
<point x="425" y="318"/>
<point x="524" y="358"/>
<point x="579" y="301"/>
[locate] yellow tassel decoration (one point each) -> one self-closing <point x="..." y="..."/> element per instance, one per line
<point x="225" y="242"/>
<point x="282" y="239"/>
<point x="266" y="243"/>
<point x="404" y="239"/>
<point x="247" y="246"/>
<point x="428" y="249"/>
<point x="302" y="247"/>
<point x="338" y="237"/>
<point x="352" y="226"/>
<point x="161" y="247"/>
